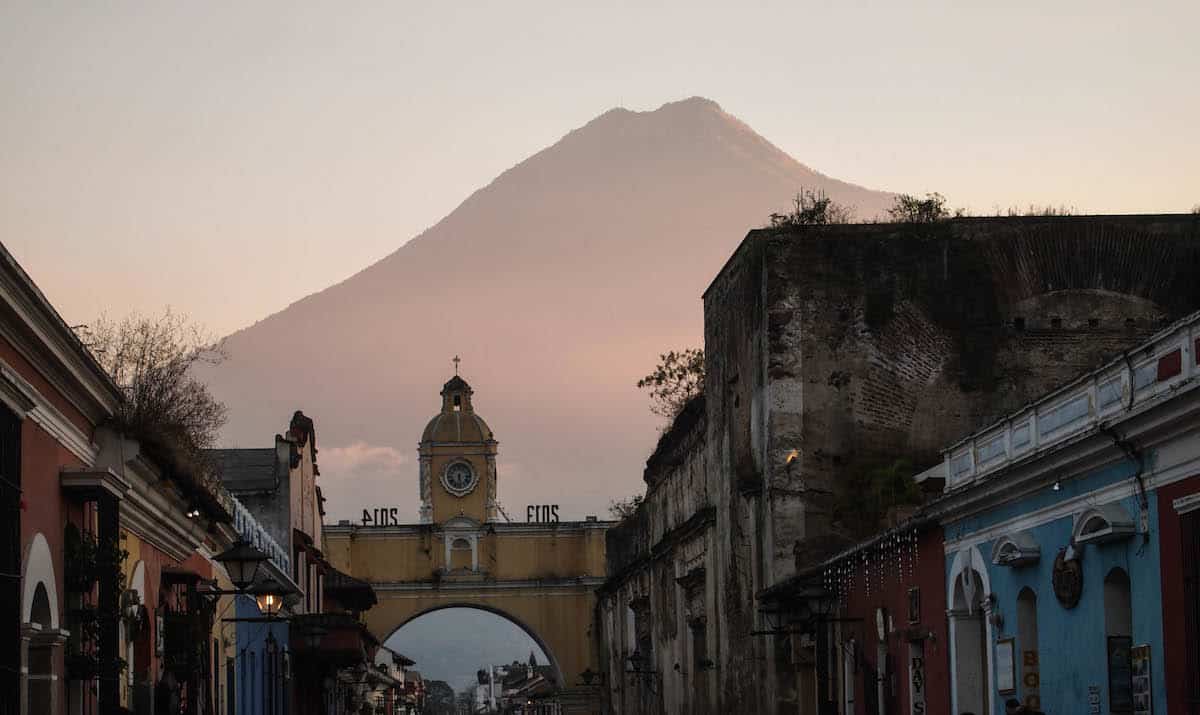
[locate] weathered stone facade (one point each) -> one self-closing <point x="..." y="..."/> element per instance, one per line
<point x="829" y="349"/>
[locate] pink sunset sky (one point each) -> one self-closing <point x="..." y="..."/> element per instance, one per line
<point x="229" y="158"/>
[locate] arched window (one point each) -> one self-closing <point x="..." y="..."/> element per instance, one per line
<point x="1118" y="627"/>
<point x="1118" y="606"/>
<point x="462" y="554"/>
<point x="1027" y="643"/>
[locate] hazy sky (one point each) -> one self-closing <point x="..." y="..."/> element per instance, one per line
<point x="228" y="159"/>
<point x="453" y="643"/>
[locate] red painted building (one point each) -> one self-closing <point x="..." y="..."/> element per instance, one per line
<point x="53" y="396"/>
<point x="1179" y="564"/>
<point x="868" y="626"/>
<point x="101" y="548"/>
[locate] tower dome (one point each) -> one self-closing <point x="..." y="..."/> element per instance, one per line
<point x="457" y="422"/>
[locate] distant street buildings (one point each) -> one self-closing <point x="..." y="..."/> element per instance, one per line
<point x="518" y="688"/>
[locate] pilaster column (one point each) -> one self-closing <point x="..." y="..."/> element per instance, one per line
<point x="45" y="678"/>
<point x="28" y="630"/>
<point x="108" y="605"/>
<point x="426" y="489"/>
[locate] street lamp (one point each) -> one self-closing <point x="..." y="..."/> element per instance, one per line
<point x="241" y="561"/>
<point x="269" y="595"/>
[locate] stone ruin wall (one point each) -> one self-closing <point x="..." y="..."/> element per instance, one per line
<point x="892" y="341"/>
<point x="852" y="345"/>
<point x="652" y="553"/>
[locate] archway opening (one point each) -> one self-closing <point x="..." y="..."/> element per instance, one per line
<point x="39" y="612"/>
<point x="973" y="667"/>
<point x="41" y="655"/>
<point x="472" y="653"/>
<point x="1118" y="627"/>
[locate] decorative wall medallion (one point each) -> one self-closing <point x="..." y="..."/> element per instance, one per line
<point x="1067" y="579"/>
<point x="459" y="478"/>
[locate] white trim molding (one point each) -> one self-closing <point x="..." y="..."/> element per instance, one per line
<point x="39" y="569"/>
<point x="1016" y="549"/>
<point x="969" y="559"/>
<point x="1189" y="503"/>
<point x="27" y="401"/>
<point x="44" y="339"/>
<point x="1102" y="524"/>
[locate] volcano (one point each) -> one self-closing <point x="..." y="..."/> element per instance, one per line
<point x="558" y="284"/>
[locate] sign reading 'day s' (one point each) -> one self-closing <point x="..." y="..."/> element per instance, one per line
<point x="541" y="514"/>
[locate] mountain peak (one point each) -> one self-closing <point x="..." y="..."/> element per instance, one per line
<point x="695" y="106"/>
<point x="693" y="103"/>
<point x="566" y="277"/>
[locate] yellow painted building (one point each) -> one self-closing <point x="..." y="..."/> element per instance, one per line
<point x="465" y="552"/>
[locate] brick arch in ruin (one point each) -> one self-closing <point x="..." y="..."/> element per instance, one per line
<point x="969" y="320"/>
<point x="476" y="604"/>
<point x="883" y="340"/>
<point x="1136" y="257"/>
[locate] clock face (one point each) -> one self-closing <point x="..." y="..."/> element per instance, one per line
<point x="459" y="478"/>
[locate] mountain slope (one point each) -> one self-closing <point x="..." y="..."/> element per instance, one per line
<point x="559" y="284"/>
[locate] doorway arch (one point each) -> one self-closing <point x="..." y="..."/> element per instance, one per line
<point x="40" y="614"/>
<point x="551" y="658"/>
<point x="968" y="593"/>
<point x="39" y="571"/>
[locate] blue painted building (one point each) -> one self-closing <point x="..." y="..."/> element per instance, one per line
<point x="261" y="667"/>
<point x="1055" y="540"/>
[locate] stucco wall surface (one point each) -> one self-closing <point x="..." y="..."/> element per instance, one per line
<point x="1071" y="642"/>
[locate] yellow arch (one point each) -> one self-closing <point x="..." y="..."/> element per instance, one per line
<point x="541" y="577"/>
<point x="557" y="617"/>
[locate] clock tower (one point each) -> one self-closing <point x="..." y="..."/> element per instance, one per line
<point x="458" y="461"/>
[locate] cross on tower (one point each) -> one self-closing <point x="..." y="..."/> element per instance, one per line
<point x="456" y="361"/>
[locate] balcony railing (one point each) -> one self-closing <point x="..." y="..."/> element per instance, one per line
<point x="1160" y="366"/>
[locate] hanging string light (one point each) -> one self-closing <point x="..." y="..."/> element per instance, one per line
<point x="866" y="570"/>
<point x="881" y="554"/>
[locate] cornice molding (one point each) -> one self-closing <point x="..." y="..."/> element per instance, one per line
<point x="50" y="345"/>
<point x="1160" y="422"/>
<point x="564" y="587"/>
<point x="153" y="517"/>
<point x="28" y="402"/>
<point x="1122" y="489"/>
<point x="562" y="528"/>
<point x="91" y="481"/>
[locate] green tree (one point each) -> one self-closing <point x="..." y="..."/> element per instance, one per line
<point x="869" y="493"/>
<point x="678" y="377"/>
<point x="812" y="208"/>
<point x="439" y="698"/>
<point x="622" y="509"/>
<point x="150" y="359"/>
